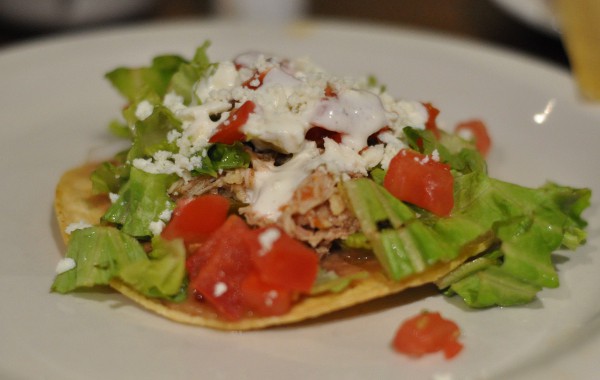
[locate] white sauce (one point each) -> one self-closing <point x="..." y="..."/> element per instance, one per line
<point x="356" y="114"/>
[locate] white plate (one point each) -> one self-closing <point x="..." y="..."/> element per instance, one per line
<point x="54" y="109"/>
<point x="536" y="13"/>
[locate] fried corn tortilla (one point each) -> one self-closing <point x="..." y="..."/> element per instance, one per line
<point x="75" y="202"/>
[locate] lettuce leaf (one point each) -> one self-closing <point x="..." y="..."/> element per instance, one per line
<point x="103" y="253"/>
<point x="189" y="73"/>
<point x="221" y="157"/>
<point x="150" y="134"/>
<point x="162" y="275"/>
<point x="99" y="253"/>
<point x="143" y="82"/>
<point x="530" y="224"/>
<point x="141" y="201"/>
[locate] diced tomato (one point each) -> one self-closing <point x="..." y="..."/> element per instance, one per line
<point x="195" y="219"/>
<point x="428" y="333"/>
<point x="284" y="261"/>
<point x="318" y="135"/>
<point x="237" y="271"/>
<point x="480" y="134"/>
<point x="265" y="299"/>
<point x="330" y="92"/>
<point x="229" y="131"/>
<point x="225" y="264"/>
<point x="431" y="124"/>
<point x="419" y="179"/>
<point x="255" y="81"/>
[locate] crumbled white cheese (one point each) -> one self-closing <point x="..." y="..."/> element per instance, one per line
<point x="435" y="155"/>
<point x="219" y="289"/>
<point x="65" y="264"/>
<point x="224" y="77"/>
<point x="156" y="227"/>
<point x="173" y="102"/>
<point x="143" y="110"/>
<point x="113" y="197"/>
<point x="270" y="297"/>
<point x="76" y="226"/>
<point x="267" y="239"/>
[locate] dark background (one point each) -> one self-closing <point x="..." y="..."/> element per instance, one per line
<point x="480" y="20"/>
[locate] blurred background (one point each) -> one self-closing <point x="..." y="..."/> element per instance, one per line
<point x="526" y="26"/>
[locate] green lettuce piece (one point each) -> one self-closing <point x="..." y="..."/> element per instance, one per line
<point x="223" y="157"/>
<point x="99" y="253"/>
<point x="460" y="154"/>
<point x="142" y="82"/>
<point x="150" y="135"/>
<point x="403" y="241"/>
<point x="109" y="177"/>
<point x="162" y="274"/>
<point x="494" y="286"/>
<point x="189" y="73"/>
<point x="530" y="224"/>
<point x="119" y="129"/>
<point x="102" y="254"/>
<point x="141" y="201"/>
<point x="331" y="282"/>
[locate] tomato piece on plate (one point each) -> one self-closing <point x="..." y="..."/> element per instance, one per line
<point x="419" y="179"/>
<point x="265" y="299"/>
<point x="427" y="333"/>
<point x="431" y="124"/>
<point x="478" y="131"/>
<point x="218" y="268"/>
<point x="282" y="260"/>
<point x="229" y="131"/>
<point x="194" y="219"/>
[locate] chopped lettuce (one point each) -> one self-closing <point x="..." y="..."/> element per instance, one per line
<point x="163" y="274"/>
<point x="99" y="254"/>
<point x="530" y="224"/>
<point x="404" y="242"/>
<point x="102" y="254"/>
<point x="141" y="201"/>
<point x="140" y="83"/>
<point x="330" y="282"/>
<point x="219" y="157"/>
<point x="151" y="134"/>
<point x="526" y="225"/>
<point x="189" y="73"/>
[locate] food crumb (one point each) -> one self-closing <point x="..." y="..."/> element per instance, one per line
<point x="65" y="265"/>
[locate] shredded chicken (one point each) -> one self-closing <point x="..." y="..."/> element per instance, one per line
<point x="316" y="213"/>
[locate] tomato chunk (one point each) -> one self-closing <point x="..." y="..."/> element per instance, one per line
<point x="195" y="219"/>
<point x="229" y="131"/>
<point x="265" y="299"/>
<point x="219" y="267"/>
<point x="427" y="333"/>
<point x="479" y="132"/>
<point x="283" y="261"/>
<point x="239" y="270"/>
<point x="256" y="80"/>
<point x="431" y="124"/>
<point x="419" y="179"/>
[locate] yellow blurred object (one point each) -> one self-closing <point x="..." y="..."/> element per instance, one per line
<point x="580" y="26"/>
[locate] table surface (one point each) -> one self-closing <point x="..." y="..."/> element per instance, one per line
<point x="479" y="20"/>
